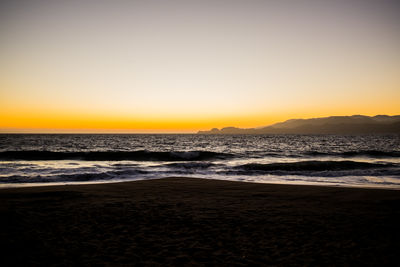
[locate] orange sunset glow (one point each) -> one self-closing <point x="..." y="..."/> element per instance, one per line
<point x="184" y="66"/>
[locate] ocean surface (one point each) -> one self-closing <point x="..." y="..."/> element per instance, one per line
<point x="335" y="160"/>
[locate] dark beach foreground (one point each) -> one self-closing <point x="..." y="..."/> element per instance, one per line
<point x="184" y="221"/>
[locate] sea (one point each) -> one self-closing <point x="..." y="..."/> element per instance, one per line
<point x="327" y="160"/>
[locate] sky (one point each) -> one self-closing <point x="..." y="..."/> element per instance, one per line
<point x="183" y="66"/>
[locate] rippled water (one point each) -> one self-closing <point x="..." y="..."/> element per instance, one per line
<point x="366" y="161"/>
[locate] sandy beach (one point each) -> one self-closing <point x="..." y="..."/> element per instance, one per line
<point x="188" y="221"/>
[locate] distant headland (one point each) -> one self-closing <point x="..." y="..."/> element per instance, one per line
<point x="356" y="124"/>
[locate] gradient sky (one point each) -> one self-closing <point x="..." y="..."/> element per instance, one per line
<point x="183" y="66"/>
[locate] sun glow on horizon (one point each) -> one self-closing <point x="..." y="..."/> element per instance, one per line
<point x="184" y="66"/>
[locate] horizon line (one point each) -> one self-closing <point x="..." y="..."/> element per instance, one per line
<point x="126" y="131"/>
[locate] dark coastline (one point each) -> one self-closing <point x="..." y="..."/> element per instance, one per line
<point x="187" y="221"/>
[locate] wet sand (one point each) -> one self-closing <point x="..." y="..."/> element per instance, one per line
<point x="186" y="221"/>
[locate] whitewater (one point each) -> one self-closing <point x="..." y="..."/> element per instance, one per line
<point x="333" y="160"/>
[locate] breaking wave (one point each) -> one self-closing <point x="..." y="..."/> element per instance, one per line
<point x="140" y="155"/>
<point x="361" y="153"/>
<point x="81" y="177"/>
<point x="320" y="168"/>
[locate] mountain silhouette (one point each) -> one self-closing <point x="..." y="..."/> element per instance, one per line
<point x="356" y="124"/>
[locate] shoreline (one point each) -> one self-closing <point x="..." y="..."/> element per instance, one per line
<point x="56" y="184"/>
<point x="193" y="221"/>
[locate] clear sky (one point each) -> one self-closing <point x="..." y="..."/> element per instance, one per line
<point x="183" y="66"/>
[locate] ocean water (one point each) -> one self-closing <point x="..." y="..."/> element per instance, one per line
<point x="363" y="161"/>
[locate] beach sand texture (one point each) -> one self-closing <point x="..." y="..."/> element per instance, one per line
<point x="189" y="221"/>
